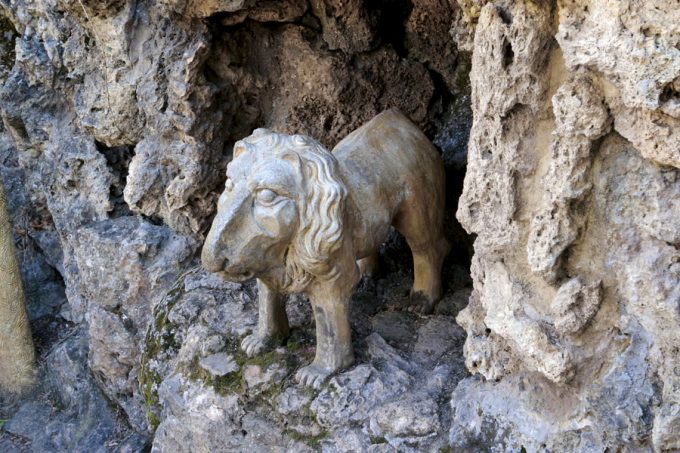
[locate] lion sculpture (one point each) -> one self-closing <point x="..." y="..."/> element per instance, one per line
<point x="301" y="219"/>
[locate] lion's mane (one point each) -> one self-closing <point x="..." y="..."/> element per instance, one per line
<point x="321" y="208"/>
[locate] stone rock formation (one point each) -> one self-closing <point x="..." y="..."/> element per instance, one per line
<point x="572" y="174"/>
<point x="397" y="395"/>
<point x="558" y="121"/>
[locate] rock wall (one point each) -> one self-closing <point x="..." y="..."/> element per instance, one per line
<point x="572" y="190"/>
<point x="118" y="119"/>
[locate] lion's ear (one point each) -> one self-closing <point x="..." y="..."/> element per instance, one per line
<point x="294" y="159"/>
<point x="239" y="148"/>
<point x="260" y="131"/>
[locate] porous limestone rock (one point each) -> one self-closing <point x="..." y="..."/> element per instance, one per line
<point x="572" y="179"/>
<point x="580" y="119"/>
<point x="634" y="47"/>
<point x="348" y="26"/>
<point x="575" y="304"/>
<point x="427" y="39"/>
<point x="392" y="398"/>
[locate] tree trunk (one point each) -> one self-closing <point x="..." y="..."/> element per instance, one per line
<point x="17" y="357"/>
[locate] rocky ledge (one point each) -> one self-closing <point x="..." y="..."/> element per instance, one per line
<point x="202" y="390"/>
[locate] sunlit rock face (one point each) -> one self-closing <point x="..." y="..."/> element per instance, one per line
<point x="571" y="183"/>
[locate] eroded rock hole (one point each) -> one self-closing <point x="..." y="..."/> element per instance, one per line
<point x="118" y="161"/>
<point x="671" y="91"/>
<point x="390" y="17"/>
<point x="505" y="15"/>
<point x="508" y="53"/>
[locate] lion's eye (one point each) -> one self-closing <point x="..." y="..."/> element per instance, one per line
<point x="266" y="196"/>
<point x="229" y="184"/>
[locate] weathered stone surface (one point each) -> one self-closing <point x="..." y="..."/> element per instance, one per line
<point x="395" y="394"/>
<point x="575" y="304"/>
<point x="269" y="11"/>
<point x="427" y="39"/>
<point x="117" y="304"/>
<point x="348" y="26"/>
<point x="504" y="52"/>
<point x="219" y="364"/>
<point x="575" y="275"/>
<point x="635" y="48"/>
<point x="408" y="418"/>
<point x="75" y="415"/>
<point x="466" y="16"/>
<point x="581" y="117"/>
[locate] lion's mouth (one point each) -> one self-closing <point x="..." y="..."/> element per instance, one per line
<point x="236" y="277"/>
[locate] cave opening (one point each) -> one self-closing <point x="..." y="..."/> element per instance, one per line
<point x="118" y="161"/>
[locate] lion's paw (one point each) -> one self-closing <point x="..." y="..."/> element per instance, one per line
<point x="421" y="304"/>
<point x="254" y="344"/>
<point x="312" y="375"/>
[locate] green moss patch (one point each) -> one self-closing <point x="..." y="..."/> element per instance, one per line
<point x="160" y="339"/>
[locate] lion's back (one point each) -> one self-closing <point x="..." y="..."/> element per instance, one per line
<point x="387" y="163"/>
<point x="391" y="150"/>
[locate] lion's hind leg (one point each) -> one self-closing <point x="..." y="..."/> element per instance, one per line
<point x="422" y="226"/>
<point x="272" y="323"/>
<point x="427" y="282"/>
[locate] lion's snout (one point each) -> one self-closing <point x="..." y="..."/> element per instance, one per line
<point x="212" y="262"/>
<point x="214" y="258"/>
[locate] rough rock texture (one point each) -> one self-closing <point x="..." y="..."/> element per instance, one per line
<point x="149" y="259"/>
<point x="68" y="412"/>
<point x="395" y="397"/>
<point x="572" y="190"/>
<point x="118" y="119"/>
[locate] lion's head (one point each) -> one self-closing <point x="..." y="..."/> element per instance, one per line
<point x="280" y="216"/>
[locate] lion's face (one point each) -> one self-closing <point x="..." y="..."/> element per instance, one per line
<point x="280" y="216"/>
<point x="257" y="216"/>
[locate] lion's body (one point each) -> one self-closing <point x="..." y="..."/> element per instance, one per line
<point x="394" y="177"/>
<point x="301" y="219"/>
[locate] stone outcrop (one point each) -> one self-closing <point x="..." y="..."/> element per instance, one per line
<point x="395" y="397"/>
<point x="572" y="172"/>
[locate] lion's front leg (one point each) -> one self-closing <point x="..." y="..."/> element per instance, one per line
<point x="333" y="333"/>
<point x="333" y="342"/>
<point x="272" y="323"/>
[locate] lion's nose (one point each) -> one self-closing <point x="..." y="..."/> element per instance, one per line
<point x="212" y="262"/>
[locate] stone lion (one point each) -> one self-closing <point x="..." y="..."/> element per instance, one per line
<point x="301" y="219"/>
